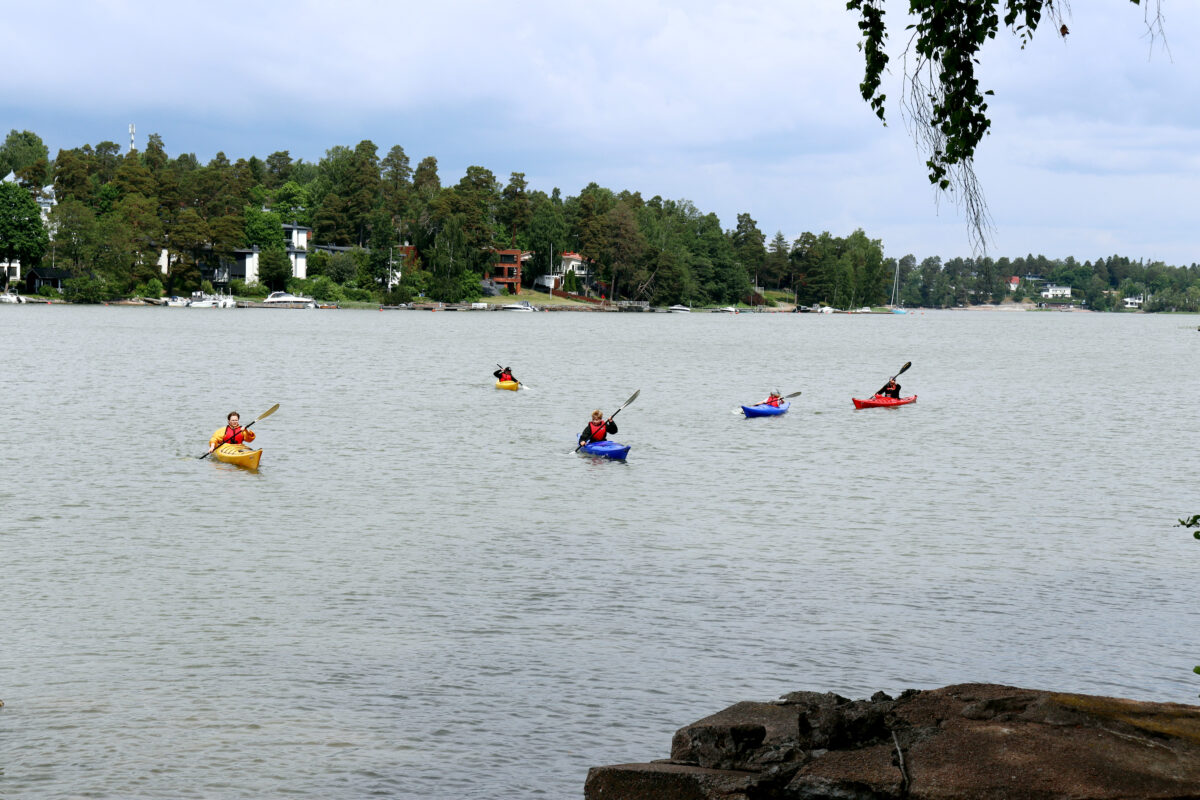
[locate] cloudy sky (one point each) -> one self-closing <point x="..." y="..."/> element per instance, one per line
<point x="738" y="107"/>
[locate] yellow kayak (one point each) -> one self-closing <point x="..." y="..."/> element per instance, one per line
<point x="238" y="454"/>
<point x="512" y="386"/>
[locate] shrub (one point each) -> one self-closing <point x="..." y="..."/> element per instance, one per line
<point x="46" y="290"/>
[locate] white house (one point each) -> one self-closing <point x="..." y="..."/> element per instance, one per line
<point x="1135" y="302"/>
<point x="1052" y="291"/>
<point x="295" y="239"/>
<point x="570" y="262"/>
<point x="1013" y="283"/>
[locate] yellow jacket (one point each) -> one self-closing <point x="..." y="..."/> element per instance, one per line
<point x="219" y="435"/>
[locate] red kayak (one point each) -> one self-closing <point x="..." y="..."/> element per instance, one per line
<point x="879" y="401"/>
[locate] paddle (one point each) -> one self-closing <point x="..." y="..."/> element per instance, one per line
<point x="632" y="397"/>
<point x="903" y="369"/>
<point x="738" y="410"/>
<point x="263" y="415"/>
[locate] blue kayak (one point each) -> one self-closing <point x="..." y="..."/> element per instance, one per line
<point x="614" y="450"/>
<point x="764" y="410"/>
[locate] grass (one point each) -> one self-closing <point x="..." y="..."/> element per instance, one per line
<point x="534" y="298"/>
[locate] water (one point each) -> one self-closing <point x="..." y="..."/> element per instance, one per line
<point x="423" y="593"/>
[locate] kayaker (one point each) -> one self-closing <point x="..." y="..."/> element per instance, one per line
<point x="597" y="429"/>
<point x="505" y="374"/>
<point x="773" y="400"/>
<point x="233" y="432"/>
<point x="890" y="389"/>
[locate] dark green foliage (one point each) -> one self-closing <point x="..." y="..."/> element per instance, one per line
<point x="22" y="235"/>
<point x="274" y="268"/>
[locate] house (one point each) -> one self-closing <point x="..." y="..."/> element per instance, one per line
<point x="244" y="265"/>
<point x="1013" y="283"/>
<point x="38" y="277"/>
<point x="1052" y="290"/>
<point x="505" y="269"/>
<point x="570" y="262"/>
<point x="1135" y="302"/>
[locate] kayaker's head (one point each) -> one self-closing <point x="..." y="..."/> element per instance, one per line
<point x="597" y="416"/>
<point x="233" y="418"/>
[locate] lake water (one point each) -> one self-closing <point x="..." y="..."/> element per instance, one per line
<point x="424" y="593"/>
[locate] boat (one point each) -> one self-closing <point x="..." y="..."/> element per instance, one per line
<point x="175" y="301"/>
<point x="288" y="300"/>
<point x="8" y="297"/>
<point x="764" y="410"/>
<point x="677" y="309"/>
<point x="212" y="301"/>
<point x="879" y="401"/>
<point x="614" y="450"/>
<point x="238" y="454"/>
<point x="725" y="310"/>
<point x="512" y="386"/>
<point x="522" y="306"/>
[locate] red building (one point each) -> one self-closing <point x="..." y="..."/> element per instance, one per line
<point x="506" y="269"/>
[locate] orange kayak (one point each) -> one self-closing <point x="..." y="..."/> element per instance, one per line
<point x="879" y="401"/>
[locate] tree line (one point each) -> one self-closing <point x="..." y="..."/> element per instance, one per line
<point x="115" y="212"/>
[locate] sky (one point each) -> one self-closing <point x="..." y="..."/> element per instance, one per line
<point x="738" y="107"/>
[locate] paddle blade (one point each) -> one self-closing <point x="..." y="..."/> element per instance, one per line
<point x="793" y="394"/>
<point x="267" y="413"/>
<point x="904" y="369"/>
<point x="632" y="397"/>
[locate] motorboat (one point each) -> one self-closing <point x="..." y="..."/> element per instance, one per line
<point x="522" y="306"/>
<point x="288" y="300"/>
<point x="678" y="309"/>
<point x="8" y="297"/>
<point x="725" y="310"/>
<point x="200" y="300"/>
<point x="175" y="301"/>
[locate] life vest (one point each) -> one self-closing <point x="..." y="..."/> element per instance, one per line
<point x="236" y="437"/>
<point x="506" y="376"/>
<point x="598" y="430"/>
<point x="772" y="401"/>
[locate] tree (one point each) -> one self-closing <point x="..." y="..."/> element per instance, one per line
<point x="942" y="95"/>
<point x="75" y="233"/>
<point x="383" y="242"/>
<point x="749" y="244"/>
<point x="23" y="150"/>
<point x="262" y="228"/>
<point x="274" y="268"/>
<point x="22" y="235"/>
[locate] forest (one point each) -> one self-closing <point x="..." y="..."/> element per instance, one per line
<point x="114" y="213"/>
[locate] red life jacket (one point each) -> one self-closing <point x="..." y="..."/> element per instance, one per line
<point x="506" y="376"/>
<point x="598" y="430"/>
<point x="237" y="436"/>
<point x="772" y="401"/>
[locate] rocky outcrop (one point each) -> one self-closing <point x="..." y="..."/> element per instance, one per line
<point x="964" y="742"/>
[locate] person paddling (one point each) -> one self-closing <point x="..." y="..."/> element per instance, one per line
<point x="233" y="432"/>
<point x="597" y="429"/>
<point x="890" y="389"/>
<point x="773" y="400"/>
<point x="505" y="374"/>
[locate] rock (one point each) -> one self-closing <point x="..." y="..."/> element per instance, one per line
<point x="968" y="742"/>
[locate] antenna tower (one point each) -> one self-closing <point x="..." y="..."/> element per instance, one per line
<point x="131" y="145"/>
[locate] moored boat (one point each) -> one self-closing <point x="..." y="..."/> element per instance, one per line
<point x="614" y="450"/>
<point x="238" y="454"/>
<point x="764" y="410"/>
<point x="511" y="386"/>
<point x="679" y="309"/>
<point x="288" y="300"/>
<point x="522" y="306"/>
<point x="879" y="401"/>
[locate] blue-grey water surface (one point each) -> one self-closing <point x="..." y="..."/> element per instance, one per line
<point x="424" y="593"/>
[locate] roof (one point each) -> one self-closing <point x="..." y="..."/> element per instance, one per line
<point x="51" y="273"/>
